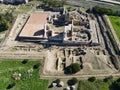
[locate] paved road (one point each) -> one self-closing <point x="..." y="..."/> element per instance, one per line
<point x="92" y="3"/>
<point x="109" y="1"/>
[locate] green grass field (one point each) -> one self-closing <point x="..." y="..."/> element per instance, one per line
<point x="27" y="82"/>
<point x="97" y="85"/>
<point x="115" y="21"/>
<point x="25" y="8"/>
<point x="1" y="39"/>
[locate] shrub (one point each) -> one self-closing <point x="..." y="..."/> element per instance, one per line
<point x="116" y="85"/>
<point x="24" y="61"/>
<point x="81" y="66"/>
<point x="36" y="66"/>
<point x="57" y="81"/>
<point x="11" y="85"/>
<point x="118" y="80"/>
<point x="75" y="80"/>
<point x="92" y="79"/>
<point x="73" y="68"/>
<point x="72" y="81"/>
<point x="5" y="21"/>
<point x="70" y="8"/>
<point x="108" y="78"/>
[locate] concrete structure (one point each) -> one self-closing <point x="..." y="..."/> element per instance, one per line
<point x="34" y="28"/>
<point x="80" y="28"/>
<point x="38" y="28"/>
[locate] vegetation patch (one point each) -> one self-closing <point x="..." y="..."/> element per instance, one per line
<point x="5" y="21"/>
<point x="70" y="8"/>
<point x="1" y="40"/>
<point x="29" y="77"/>
<point x="25" y="7"/>
<point x="54" y="3"/>
<point x="73" y="68"/>
<point x="108" y="11"/>
<point x="72" y="81"/>
<point x="115" y="21"/>
<point x="116" y="85"/>
<point x="99" y="84"/>
<point x="92" y="79"/>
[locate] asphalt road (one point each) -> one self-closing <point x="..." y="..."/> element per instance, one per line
<point x="92" y="3"/>
<point x="110" y="1"/>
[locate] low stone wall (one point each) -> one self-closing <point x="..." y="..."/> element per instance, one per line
<point x="112" y="35"/>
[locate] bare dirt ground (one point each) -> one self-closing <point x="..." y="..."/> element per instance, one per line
<point x="95" y="62"/>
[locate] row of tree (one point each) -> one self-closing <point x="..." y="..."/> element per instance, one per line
<point x="5" y="21"/>
<point x="108" y="11"/>
<point x="54" y="3"/>
<point x="116" y="85"/>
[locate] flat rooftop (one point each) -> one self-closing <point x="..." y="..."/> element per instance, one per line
<point x="35" y="25"/>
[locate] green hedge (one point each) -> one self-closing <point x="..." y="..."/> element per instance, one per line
<point x="108" y="11"/>
<point x="5" y="21"/>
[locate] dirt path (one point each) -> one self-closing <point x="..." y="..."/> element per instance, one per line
<point x="85" y="76"/>
<point x="21" y="55"/>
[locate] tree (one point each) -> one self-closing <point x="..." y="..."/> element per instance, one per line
<point x="108" y="11"/>
<point x="57" y="81"/>
<point x="118" y="80"/>
<point x="63" y="2"/>
<point x="92" y="79"/>
<point x="36" y="66"/>
<point x="73" y="68"/>
<point x="5" y="21"/>
<point x="24" y="61"/>
<point x="70" y="8"/>
<point x="108" y="78"/>
<point x="117" y="85"/>
<point x="54" y="3"/>
<point x="72" y="81"/>
<point x="11" y="85"/>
